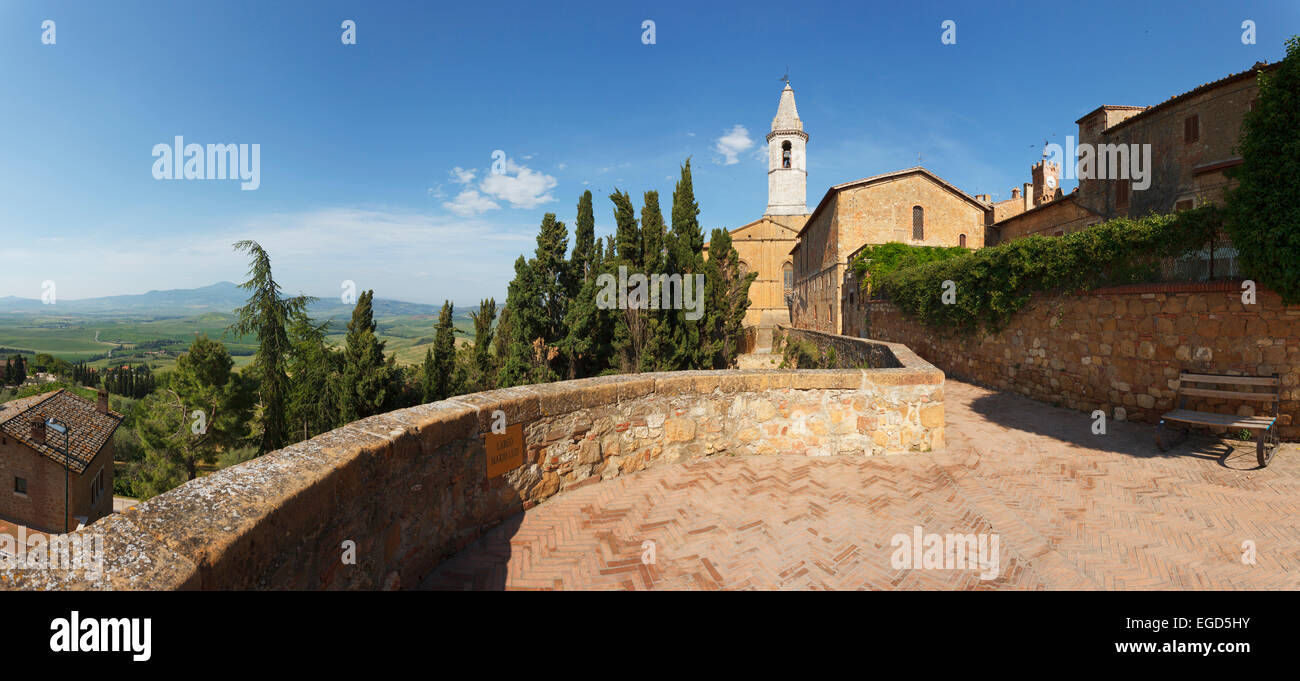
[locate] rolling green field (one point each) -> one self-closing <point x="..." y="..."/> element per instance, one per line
<point x="105" y="340"/>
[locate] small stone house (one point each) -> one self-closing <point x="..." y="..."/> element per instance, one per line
<point x="32" y="463"/>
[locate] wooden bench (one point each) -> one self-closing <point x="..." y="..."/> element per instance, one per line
<point x="1242" y="388"/>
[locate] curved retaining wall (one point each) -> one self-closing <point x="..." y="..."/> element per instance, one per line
<point x="1121" y="349"/>
<point x="411" y="487"/>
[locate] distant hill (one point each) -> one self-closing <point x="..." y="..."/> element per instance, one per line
<point x="223" y="298"/>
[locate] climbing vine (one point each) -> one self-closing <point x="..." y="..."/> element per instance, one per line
<point x="990" y="284"/>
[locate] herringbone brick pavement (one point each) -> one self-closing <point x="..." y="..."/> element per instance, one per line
<point x="1071" y="510"/>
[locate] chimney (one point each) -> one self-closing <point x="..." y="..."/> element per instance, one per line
<point x="38" y="431"/>
<point x="102" y="407"/>
<point x="1015" y="192"/>
<point x="1028" y="195"/>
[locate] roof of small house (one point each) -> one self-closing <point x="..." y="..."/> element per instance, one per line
<point x="89" y="429"/>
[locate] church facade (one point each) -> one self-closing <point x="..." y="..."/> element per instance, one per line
<point x="764" y="245"/>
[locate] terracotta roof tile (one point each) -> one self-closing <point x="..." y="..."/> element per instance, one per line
<point x="90" y="430"/>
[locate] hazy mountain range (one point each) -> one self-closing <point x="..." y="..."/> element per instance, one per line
<point x="223" y="297"/>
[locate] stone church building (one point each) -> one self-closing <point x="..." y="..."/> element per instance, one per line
<point x="802" y="257"/>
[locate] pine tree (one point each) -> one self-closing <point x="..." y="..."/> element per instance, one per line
<point x="266" y="315"/>
<point x="367" y="378"/>
<point x="204" y="411"/>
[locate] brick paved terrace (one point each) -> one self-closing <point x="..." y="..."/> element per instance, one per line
<point x="739" y="479"/>
<point x="1071" y="510"/>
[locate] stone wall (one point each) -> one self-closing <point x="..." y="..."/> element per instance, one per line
<point x="1121" y="350"/>
<point x="849" y="352"/>
<point x="411" y="487"/>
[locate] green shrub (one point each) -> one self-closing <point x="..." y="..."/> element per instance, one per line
<point x="993" y="283"/>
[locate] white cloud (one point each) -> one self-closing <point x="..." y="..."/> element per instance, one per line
<point x="519" y="185"/>
<point x="562" y="166"/>
<point x="733" y="143"/>
<point x="469" y="203"/>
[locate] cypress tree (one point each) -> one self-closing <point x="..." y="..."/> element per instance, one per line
<point x="686" y="253"/>
<point x="367" y="379"/>
<point x="584" y="244"/>
<point x="629" y="327"/>
<point x="626" y="232"/>
<point x="483" y="318"/>
<point x="314" y="370"/>
<point x="524" y="324"/>
<point x="444" y="355"/>
<point x="726" y="302"/>
<point x="655" y="245"/>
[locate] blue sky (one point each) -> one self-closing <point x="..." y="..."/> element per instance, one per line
<point x="375" y="156"/>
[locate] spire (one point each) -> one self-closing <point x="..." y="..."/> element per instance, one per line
<point x="787" y="116"/>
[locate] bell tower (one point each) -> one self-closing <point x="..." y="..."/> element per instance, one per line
<point x="787" y="161"/>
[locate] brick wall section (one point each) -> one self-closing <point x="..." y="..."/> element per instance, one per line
<point x="1122" y="348"/>
<point x="410" y="487"/>
<point x="41" y="508"/>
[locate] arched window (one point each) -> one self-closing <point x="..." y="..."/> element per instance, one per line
<point x="961" y="241"/>
<point x="744" y="268"/>
<point x="918" y="223"/>
<point x="785" y="154"/>
<point x="788" y="272"/>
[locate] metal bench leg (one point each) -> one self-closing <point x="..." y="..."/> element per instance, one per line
<point x="1267" y="445"/>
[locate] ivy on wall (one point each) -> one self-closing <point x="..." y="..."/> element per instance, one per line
<point x="1264" y="208"/>
<point x="989" y="285"/>
<point x="874" y="262"/>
